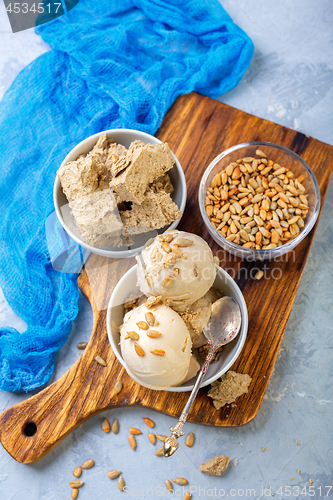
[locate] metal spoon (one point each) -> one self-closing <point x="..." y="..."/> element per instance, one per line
<point x="222" y="328"/>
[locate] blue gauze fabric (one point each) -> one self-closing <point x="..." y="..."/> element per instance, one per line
<point x="112" y="64"/>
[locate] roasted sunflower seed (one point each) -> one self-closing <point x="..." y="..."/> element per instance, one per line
<point x="168" y="485"/>
<point x="180" y="480"/>
<point x="76" y="483"/>
<point x="152" y="438"/>
<point x="75" y="493"/>
<point x="132" y="441"/>
<point x="106" y="425"/>
<point x="121" y="483"/>
<point x="150" y="318"/>
<point x="138" y="349"/>
<point x="113" y="474"/>
<point x="142" y="325"/>
<point x="100" y="360"/>
<point x="153" y="334"/>
<point x="82" y="345"/>
<point x="149" y="422"/>
<point x="133" y="335"/>
<point x="134" y="430"/>
<point x="118" y="387"/>
<point x="158" y="352"/>
<point x="88" y="464"/>
<point x="160" y="437"/>
<point x="115" y="426"/>
<point x="189" y="440"/>
<point x="78" y="471"/>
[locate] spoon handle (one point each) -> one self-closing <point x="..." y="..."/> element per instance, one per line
<point x="171" y="443"/>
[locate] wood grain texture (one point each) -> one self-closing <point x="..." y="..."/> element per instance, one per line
<point x="197" y="129"/>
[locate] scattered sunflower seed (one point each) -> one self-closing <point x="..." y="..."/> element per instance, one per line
<point x="159" y="452"/>
<point x="118" y="387"/>
<point x="88" y="464"/>
<point x="189" y="440"/>
<point x="76" y="483"/>
<point x="259" y="275"/>
<point x="180" y="480"/>
<point x="82" y="345"/>
<point x="115" y="426"/>
<point x="149" y="422"/>
<point x="152" y="438"/>
<point x="160" y="437"/>
<point x="78" y="471"/>
<point x="134" y="430"/>
<point x="106" y="425"/>
<point x="113" y="474"/>
<point x="121" y="483"/>
<point x="132" y="441"/>
<point x="75" y="493"/>
<point x="168" y="485"/>
<point x="100" y="360"/>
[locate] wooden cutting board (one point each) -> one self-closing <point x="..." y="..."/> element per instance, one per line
<point x="197" y="129"/>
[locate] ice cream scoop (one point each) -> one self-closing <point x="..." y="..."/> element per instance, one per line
<point x="177" y="266"/>
<point x="156" y="346"/>
<point x="222" y="328"/>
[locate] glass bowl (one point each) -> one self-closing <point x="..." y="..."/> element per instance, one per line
<point x="284" y="157"/>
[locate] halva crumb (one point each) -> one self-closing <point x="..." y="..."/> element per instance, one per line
<point x="215" y="466"/>
<point x="229" y="388"/>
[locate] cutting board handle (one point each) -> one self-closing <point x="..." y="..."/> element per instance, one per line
<point x="30" y="429"/>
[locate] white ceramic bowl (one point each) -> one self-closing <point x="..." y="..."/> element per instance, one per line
<point x="125" y="137"/>
<point x="224" y="282"/>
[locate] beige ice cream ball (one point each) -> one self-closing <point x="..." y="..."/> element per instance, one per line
<point x="178" y="266"/>
<point x="156" y="345"/>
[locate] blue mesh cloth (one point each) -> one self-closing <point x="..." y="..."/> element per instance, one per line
<point x="112" y="64"/>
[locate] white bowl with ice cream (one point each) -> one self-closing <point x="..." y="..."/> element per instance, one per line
<point x="160" y="351"/>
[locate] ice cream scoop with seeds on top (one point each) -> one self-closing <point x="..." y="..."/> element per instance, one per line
<point x="178" y="266"/>
<point x="156" y="346"/>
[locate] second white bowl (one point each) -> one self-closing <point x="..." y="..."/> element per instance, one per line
<point x="124" y="137"/>
<point x="115" y="313"/>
